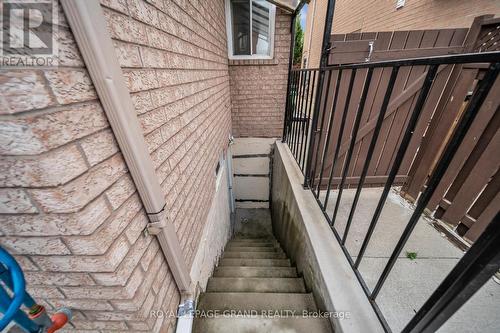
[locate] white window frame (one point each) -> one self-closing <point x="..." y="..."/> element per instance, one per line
<point x="229" y="25"/>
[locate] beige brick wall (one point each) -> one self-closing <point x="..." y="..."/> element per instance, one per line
<point x="313" y="34"/>
<point x="382" y="15"/>
<point x="174" y="57"/>
<point x="353" y="15"/>
<point x="258" y="88"/>
<point x="69" y="209"/>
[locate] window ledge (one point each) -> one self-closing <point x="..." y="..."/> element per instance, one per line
<point x="250" y="62"/>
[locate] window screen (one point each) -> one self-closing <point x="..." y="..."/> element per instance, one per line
<point x="251" y="27"/>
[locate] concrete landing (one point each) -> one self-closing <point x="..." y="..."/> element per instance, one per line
<point x="252" y="223"/>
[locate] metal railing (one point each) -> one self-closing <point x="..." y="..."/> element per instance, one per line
<point x="310" y="137"/>
<point x="300" y="102"/>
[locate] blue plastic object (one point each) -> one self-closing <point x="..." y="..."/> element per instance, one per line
<point x="18" y="288"/>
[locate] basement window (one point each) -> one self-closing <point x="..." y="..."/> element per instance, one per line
<point x="250" y="29"/>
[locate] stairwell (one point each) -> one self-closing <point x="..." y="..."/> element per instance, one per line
<point x="256" y="289"/>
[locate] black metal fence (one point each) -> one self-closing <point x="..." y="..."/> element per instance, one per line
<point x="300" y="104"/>
<point x="310" y="137"/>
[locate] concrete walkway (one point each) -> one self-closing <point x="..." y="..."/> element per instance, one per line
<point x="411" y="282"/>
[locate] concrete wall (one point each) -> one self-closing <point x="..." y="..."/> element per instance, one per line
<point x="216" y="233"/>
<point x="251" y="171"/>
<point x="258" y="88"/>
<point x="305" y="235"/>
<point x="69" y="209"/>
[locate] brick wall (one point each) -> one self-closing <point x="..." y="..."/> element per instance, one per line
<point x="353" y="15"/>
<point x="174" y="58"/>
<point x="363" y="16"/>
<point x="313" y="34"/>
<point x="258" y="88"/>
<point x="69" y="209"/>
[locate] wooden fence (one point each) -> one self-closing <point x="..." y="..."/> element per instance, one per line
<point x="467" y="197"/>
<point x="468" y="194"/>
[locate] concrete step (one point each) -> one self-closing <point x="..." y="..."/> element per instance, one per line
<point x="253" y="249"/>
<point x="262" y="325"/>
<point x="256" y="285"/>
<point x="255" y="262"/>
<point x="257" y="302"/>
<point x="262" y="272"/>
<point x="239" y="244"/>
<point x="253" y="239"/>
<point x="254" y="255"/>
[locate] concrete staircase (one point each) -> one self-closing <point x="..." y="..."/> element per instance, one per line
<point x="256" y="290"/>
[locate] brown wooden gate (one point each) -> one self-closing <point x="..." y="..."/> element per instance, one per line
<point x="352" y="48"/>
<point x="468" y="194"/>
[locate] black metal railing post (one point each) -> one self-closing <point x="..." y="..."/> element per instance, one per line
<point x="321" y="125"/>
<point x="289" y="81"/>
<point x="339" y="138"/>
<point x="475" y="268"/>
<point x="429" y="79"/>
<point x="325" y="50"/>
<point x="463" y="126"/>
<point x="376" y="131"/>
<point x="328" y="131"/>
<point x="307" y="127"/>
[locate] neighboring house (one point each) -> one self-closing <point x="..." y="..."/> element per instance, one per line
<point x="389" y="15"/>
<point x="72" y="207"/>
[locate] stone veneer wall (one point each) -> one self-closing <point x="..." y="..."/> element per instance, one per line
<point x="69" y="209"/>
<point x="258" y="88"/>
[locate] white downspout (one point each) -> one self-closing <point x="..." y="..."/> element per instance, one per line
<point x="185" y="316"/>
<point x="88" y="24"/>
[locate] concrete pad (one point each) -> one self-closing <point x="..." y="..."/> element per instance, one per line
<point x="256" y="285"/>
<point x="253" y="223"/>
<point x="257" y="302"/>
<point x="252" y="146"/>
<point x="479" y="314"/>
<point x="262" y="325"/>
<point x="251" y="188"/>
<point x="411" y="282"/>
<point x="425" y="240"/>
<point x="262" y="272"/>
<point x="255" y="262"/>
